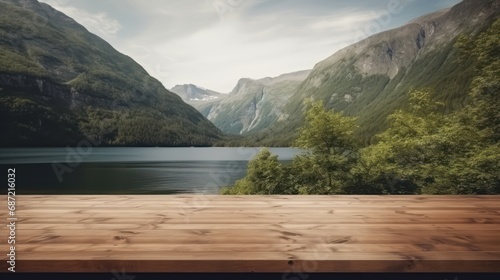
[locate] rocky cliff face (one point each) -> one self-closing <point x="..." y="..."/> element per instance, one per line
<point x="371" y="78"/>
<point x="52" y="70"/>
<point x="253" y="105"/>
<point x="388" y="52"/>
<point x="49" y="90"/>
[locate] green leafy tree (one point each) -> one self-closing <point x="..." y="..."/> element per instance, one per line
<point x="475" y="169"/>
<point x="404" y="159"/>
<point x="328" y="138"/>
<point x="424" y="151"/>
<point x="485" y="50"/>
<point x="264" y="176"/>
<point x="331" y="152"/>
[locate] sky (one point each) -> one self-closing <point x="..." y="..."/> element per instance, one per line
<point x="214" y="43"/>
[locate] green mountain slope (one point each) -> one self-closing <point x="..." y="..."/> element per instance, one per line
<point x="60" y="84"/>
<point x="372" y="78"/>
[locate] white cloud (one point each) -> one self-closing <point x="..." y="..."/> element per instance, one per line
<point x="344" y="21"/>
<point x="193" y="41"/>
<point x="99" y="23"/>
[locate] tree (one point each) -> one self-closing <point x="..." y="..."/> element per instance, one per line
<point x="485" y="50"/>
<point x="331" y="152"/>
<point x="264" y="176"/>
<point x="428" y="152"/>
<point x="475" y="169"/>
<point x="405" y="158"/>
<point x="328" y="138"/>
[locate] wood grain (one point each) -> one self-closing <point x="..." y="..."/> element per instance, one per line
<point x="189" y="233"/>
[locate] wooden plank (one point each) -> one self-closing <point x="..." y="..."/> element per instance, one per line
<point x="240" y="233"/>
<point x="287" y="267"/>
<point x="226" y="208"/>
<point x="355" y="227"/>
<point x="256" y="217"/>
<point x="266" y="255"/>
<point x="189" y="233"/>
<point x="253" y="247"/>
<point x="279" y="221"/>
<point x="332" y="210"/>
<point x="35" y="237"/>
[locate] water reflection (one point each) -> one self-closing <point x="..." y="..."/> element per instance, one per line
<point x="131" y="170"/>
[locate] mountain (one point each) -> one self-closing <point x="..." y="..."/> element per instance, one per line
<point x="195" y="95"/>
<point x="371" y="79"/>
<point x="253" y="105"/>
<point x="60" y="85"/>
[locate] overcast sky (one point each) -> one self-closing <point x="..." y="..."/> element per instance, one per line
<point x="213" y="43"/>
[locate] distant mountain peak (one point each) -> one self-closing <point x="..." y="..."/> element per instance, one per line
<point x="253" y="103"/>
<point x="194" y="94"/>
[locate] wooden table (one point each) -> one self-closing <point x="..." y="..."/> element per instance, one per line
<point x="189" y="233"/>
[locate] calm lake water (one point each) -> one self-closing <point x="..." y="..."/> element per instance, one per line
<point x="129" y="170"/>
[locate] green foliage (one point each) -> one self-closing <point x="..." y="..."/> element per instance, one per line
<point x="265" y="175"/>
<point x="409" y="150"/>
<point x="485" y="50"/>
<point x="329" y="139"/>
<point x="424" y="151"/>
<point x="331" y="154"/>
<point x="326" y="132"/>
<point x="142" y="127"/>
<point x="23" y="121"/>
<point x="15" y="63"/>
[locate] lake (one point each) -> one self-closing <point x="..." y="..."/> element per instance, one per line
<point x="129" y="170"/>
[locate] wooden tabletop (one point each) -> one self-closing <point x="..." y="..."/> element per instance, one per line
<point x="190" y="233"/>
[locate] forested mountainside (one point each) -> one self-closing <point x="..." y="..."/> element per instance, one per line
<point x="372" y="78"/>
<point x="60" y="84"/>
